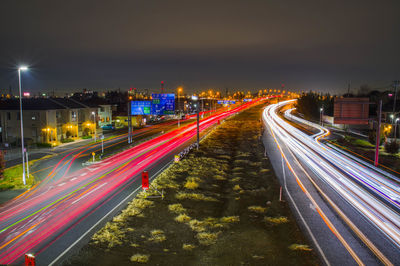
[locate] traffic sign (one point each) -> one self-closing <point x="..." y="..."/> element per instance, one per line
<point x="145" y="180"/>
<point x="30" y="260"/>
<point x="163" y="104"/>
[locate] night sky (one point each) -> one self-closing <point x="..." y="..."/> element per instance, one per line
<point x="319" y="45"/>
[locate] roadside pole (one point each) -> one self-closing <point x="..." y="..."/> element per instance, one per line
<point x="129" y="122"/>
<point x="102" y="144"/>
<point x="284" y="179"/>
<point x="198" y="126"/>
<point x="378" y="134"/>
<point x="27" y="164"/>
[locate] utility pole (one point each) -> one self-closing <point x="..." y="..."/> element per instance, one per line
<point x="198" y="125"/>
<point x="396" y="83"/>
<point x="129" y="122"/>
<point x="378" y="133"/>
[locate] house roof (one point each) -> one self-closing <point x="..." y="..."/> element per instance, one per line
<point x="41" y="104"/>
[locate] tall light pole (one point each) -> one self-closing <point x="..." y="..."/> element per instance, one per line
<point x="179" y="106"/>
<point x="94" y="124"/>
<point x="22" y="68"/>
<point x="321" y="110"/>
<point x="395" y="129"/>
<point x="195" y="98"/>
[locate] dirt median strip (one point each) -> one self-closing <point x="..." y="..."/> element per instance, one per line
<point x="220" y="207"/>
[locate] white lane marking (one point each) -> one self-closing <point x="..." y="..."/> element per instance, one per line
<point x="83" y="174"/>
<point x="88" y="193"/>
<point x="62" y="184"/>
<point x="104" y="217"/>
<point x="72" y="179"/>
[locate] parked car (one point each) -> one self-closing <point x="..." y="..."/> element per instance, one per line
<point x="108" y="127"/>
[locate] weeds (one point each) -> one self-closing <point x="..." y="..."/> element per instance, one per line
<point x="207" y="238"/>
<point x="230" y="219"/>
<point x="157" y="236"/>
<point x="257" y="209"/>
<point x="194" y="196"/>
<point x="276" y="220"/>
<point x="300" y="247"/>
<point x="141" y="258"/>
<point x="176" y="208"/>
<point x="182" y="218"/>
<point x="188" y="247"/>
<point x="191" y="184"/>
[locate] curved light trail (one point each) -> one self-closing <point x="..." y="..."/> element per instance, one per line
<point x="370" y="191"/>
<point x="28" y="224"/>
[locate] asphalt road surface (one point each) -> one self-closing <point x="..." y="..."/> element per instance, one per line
<point x="348" y="208"/>
<point x="56" y="217"/>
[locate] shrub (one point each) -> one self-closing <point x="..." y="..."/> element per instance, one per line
<point x="86" y="137"/>
<point x="391" y="147"/>
<point x="43" y="145"/>
<point x="67" y="140"/>
<point x="140" y="258"/>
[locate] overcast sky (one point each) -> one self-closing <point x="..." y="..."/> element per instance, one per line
<point x="320" y="45"/>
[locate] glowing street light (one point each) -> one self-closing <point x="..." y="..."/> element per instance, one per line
<point x="179" y="106"/>
<point x="94" y="124"/>
<point x="22" y="68"/>
<point x="321" y="111"/>
<point x="195" y="98"/>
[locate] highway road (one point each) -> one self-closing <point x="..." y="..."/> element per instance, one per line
<point x="59" y="215"/>
<point x="70" y="157"/>
<point x="347" y="207"/>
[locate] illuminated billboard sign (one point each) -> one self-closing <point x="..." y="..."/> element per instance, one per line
<point x="351" y="111"/>
<point x="163" y="104"/>
<point x="140" y="107"/>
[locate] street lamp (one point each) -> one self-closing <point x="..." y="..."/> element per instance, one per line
<point x="395" y="129"/>
<point x="179" y="106"/>
<point x="195" y="98"/>
<point x="321" y="110"/>
<point x="94" y="121"/>
<point x="22" y="68"/>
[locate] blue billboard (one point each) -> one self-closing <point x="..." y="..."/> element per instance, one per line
<point x="163" y="104"/>
<point x="140" y="107"/>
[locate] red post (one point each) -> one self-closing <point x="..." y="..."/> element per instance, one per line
<point x="29" y="260"/>
<point x="145" y="180"/>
